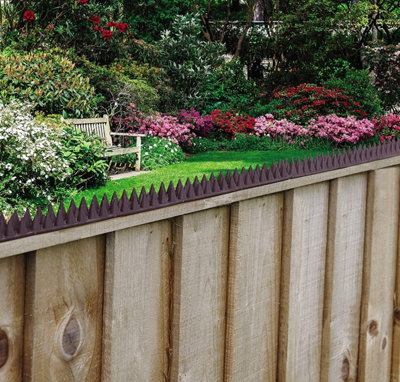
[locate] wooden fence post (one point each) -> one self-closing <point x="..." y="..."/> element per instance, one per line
<point x="302" y="285"/>
<point x="253" y="296"/>
<point x="12" y="290"/>
<point x="199" y="295"/>
<point x="136" y="304"/>
<point x="381" y="235"/>
<point x="63" y="322"/>
<point x="342" y="303"/>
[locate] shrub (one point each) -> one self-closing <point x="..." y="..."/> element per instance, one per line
<point x="355" y="83"/>
<point x="302" y="103"/>
<point x="117" y="90"/>
<point x="228" y="124"/>
<point x="385" y="64"/>
<point x="341" y="130"/>
<point x="158" y="152"/>
<point x="163" y="126"/>
<point x="49" y="81"/>
<point x="31" y="168"/>
<point x="200" y="125"/>
<point x="387" y="126"/>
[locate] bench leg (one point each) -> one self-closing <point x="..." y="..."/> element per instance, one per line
<point x="138" y="154"/>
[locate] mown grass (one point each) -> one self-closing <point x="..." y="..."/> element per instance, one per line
<point x="197" y="165"/>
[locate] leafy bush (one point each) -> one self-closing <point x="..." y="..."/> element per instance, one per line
<point x="48" y="80"/>
<point x="304" y="102"/>
<point x="117" y="90"/>
<point x="355" y="83"/>
<point x="187" y="62"/>
<point x="226" y="89"/>
<point x="158" y="152"/>
<point x="385" y="65"/>
<point x="387" y="126"/>
<point x="31" y="167"/>
<point x="200" y="125"/>
<point x="84" y="153"/>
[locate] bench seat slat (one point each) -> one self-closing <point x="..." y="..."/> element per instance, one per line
<point x="113" y="151"/>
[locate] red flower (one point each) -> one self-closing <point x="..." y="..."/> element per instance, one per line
<point x="107" y="34"/>
<point x="83" y="1"/>
<point x="122" y="27"/>
<point x="111" y="24"/>
<point x="98" y="28"/>
<point x="95" y="19"/>
<point x="29" y="16"/>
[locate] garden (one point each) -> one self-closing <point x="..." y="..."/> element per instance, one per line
<point x="213" y="85"/>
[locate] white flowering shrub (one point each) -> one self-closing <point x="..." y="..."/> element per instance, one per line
<point x="31" y="167"/>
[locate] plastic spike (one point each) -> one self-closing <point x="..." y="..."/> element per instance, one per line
<point x="162" y="194"/>
<point x="26" y="223"/>
<point x="198" y="189"/>
<point x="114" y="205"/>
<point x="61" y="216"/>
<point x="13" y="225"/>
<point x="124" y="203"/>
<point x="104" y="207"/>
<point x="171" y="193"/>
<point x="50" y="219"/>
<point x="264" y="173"/>
<point x="153" y="197"/>
<point x="3" y="226"/>
<point x="179" y="191"/>
<point x="72" y="214"/>
<point x="207" y="187"/>
<point x="236" y="176"/>
<point x="250" y="173"/>
<point x="134" y="201"/>
<point x="257" y="175"/>
<point x="37" y="220"/>
<point x="144" y="199"/>
<point x="94" y="208"/>
<point x="189" y="190"/>
<point x="83" y="211"/>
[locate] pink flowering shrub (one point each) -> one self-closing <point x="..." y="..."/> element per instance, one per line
<point x="330" y="127"/>
<point x="157" y="125"/>
<point x="387" y="126"/>
<point x="201" y="125"/>
<point x="341" y="129"/>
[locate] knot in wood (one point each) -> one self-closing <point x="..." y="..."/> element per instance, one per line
<point x="397" y="316"/>
<point x="373" y="328"/>
<point x="345" y="369"/>
<point x="4" y="348"/>
<point x="71" y="338"/>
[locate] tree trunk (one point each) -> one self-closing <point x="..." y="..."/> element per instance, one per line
<point x="250" y="16"/>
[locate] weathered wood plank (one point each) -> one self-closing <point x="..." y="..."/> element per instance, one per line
<point x="199" y="296"/>
<point x="343" y="283"/>
<point x="302" y="285"/>
<point x="63" y="321"/>
<point x="379" y="275"/>
<point x="12" y="290"/>
<point x="136" y="304"/>
<point x="253" y="290"/>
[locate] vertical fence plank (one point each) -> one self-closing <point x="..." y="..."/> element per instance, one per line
<point x="136" y="304"/>
<point x="199" y="297"/>
<point x="12" y="290"/>
<point x="379" y="274"/>
<point x="343" y="284"/>
<point x="302" y="285"/>
<point x="63" y="319"/>
<point x="253" y="295"/>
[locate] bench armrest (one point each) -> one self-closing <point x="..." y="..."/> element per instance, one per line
<point x="129" y="134"/>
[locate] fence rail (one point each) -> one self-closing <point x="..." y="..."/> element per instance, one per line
<point x="293" y="280"/>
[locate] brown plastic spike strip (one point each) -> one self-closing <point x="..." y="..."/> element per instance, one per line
<point x="17" y="227"/>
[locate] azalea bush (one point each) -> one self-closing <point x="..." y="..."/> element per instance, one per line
<point x="228" y="124"/>
<point x="47" y="80"/>
<point x="302" y="103"/>
<point x="201" y="125"/>
<point x="387" y="126"/>
<point x="31" y="167"/>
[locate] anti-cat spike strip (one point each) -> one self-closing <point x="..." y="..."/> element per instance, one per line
<point x="27" y="225"/>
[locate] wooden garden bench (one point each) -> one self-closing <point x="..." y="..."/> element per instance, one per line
<point x="101" y="128"/>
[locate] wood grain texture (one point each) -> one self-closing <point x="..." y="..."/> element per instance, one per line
<point x="12" y="290"/>
<point x="63" y="323"/>
<point x="199" y="296"/>
<point x="343" y="283"/>
<point x="253" y="291"/>
<point x="381" y="237"/>
<point x="302" y="283"/>
<point x="136" y="304"/>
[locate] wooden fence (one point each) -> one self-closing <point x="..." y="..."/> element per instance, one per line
<point x="292" y="281"/>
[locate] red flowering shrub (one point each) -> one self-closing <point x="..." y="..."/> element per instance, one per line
<point x="83" y="1"/>
<point x="229" y="124"/>
<point x="29" y="16"/>
<point x="387" y="126"/>
<point x="107" y="34"/>
<point x="95" y="19"/>
<point x="302" y="103"/>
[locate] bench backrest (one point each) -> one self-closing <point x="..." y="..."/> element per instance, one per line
<point x="97" y="126"/>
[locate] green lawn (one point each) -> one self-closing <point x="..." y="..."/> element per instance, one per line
<point x="197" y="165"/>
